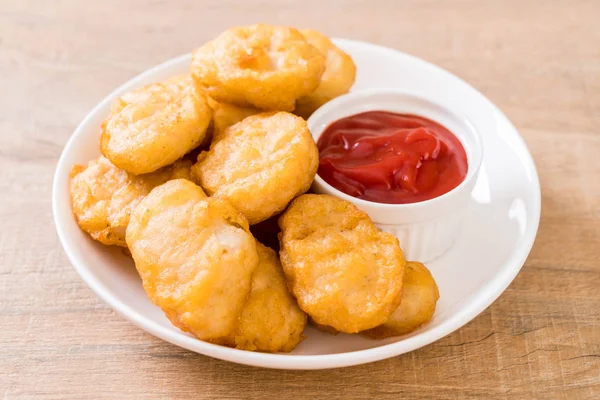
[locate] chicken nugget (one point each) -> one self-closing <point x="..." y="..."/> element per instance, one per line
<point x="344" y="272"/>
<point x="225" y="115"/>
<point x="260" y="164"/>
<point x="324" y="328"/>
<point x="103" y="196"/>
<point x="271" y="320"/>
<point x="261" y="66"/>
<point x="195" y="256"/>
<point x="152" y="127"/>
<point x="417" y="305"/>
<point x="337" y="79"/>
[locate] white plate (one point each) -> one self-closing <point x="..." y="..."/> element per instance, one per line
<point x="497" y="237"/>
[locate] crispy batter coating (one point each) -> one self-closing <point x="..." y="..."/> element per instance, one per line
<point x="262" y="66"/>
<point x="195" y="257"/>
<point x="337" y="79"/>
<point x="271" y="320"/>
<point x="260" y="164"/>
<point x="419" y="297"/>
<point x="152" y="127"/>
<point x="103" y="196"/>
<point x="344" y="272"/>
<point x="225" y="115"/>
<point x="324" y="328"/>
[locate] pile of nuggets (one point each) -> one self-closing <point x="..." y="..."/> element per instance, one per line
<point x="189" y="164"/>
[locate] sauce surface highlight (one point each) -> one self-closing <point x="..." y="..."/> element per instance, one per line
<point x="391" y="158"/>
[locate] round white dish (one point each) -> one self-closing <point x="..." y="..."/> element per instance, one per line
<point x="498" y="232"/>
<point x="426" y="229"/>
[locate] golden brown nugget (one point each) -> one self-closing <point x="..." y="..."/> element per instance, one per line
<point x="260" y="164"/>
<point x="324" y="328"/>
<point x="152" y="127"/>
<point x="417" y="305"/>
<point x="103" y="196"/>
<point x="261" y="66"/>
<point x="271" y="320"/>
<point x="225" y="115"/>
<point x="344" y="272"/>
<point x="195" y="257"/>
<point x="338" y="78"/>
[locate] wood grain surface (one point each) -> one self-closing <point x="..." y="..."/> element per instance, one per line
<point x="539" y="61"/>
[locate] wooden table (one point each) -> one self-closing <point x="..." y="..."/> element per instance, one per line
<point x="538" y="60"/>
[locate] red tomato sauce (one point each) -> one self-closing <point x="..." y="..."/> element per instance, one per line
<point x="391" y="158"/>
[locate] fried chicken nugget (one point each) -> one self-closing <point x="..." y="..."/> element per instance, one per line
<point x="103" y="196"/>
<point x="338" y="78"/>
<point x="225" y="115"/>
<point x="344" y="272"/>
<point x="271" y="320"/>
<point x="152" y="127"/>
<point x="324" y="328"/>
<point x="262" y="66"/>
<point x="260" y="164"/>
<point x="419" y="297"/>
<point x="195" y="257"/>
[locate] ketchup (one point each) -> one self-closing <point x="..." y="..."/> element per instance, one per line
<point x="391" y="158"/>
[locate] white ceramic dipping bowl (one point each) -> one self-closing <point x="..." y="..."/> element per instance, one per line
<point x="425" y="229"/>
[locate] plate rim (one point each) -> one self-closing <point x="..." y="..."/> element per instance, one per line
<point x="486" y="294"/>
